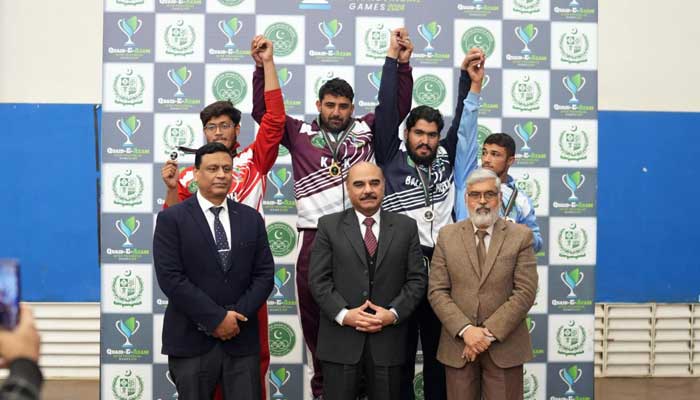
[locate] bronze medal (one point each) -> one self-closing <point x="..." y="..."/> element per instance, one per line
<point x="334" y="169"/>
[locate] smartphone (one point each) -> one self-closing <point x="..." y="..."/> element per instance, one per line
<point x="9" y="294"/>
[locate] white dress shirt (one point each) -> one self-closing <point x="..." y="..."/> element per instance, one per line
<point x="209" y="215"/>
<point x="363" y="229"/>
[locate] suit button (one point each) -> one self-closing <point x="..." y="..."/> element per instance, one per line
<point x="366" y="272"/>
<point x="364" y="293"/>
<point x="225" y="280"/>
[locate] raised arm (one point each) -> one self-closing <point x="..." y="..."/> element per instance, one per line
<point x="386" y="114"/>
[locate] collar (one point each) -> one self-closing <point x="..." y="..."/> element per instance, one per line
<point x="361" y="217"/>
<point x="206" y="204"/>
<point x="488" y="230"/>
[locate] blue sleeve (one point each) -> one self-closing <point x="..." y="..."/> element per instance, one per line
<point x="529" y="220"/>
<point x="450" y="140"/>
<point x="467" y="152"/>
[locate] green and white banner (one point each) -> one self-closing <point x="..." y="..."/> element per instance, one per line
<point x="164" y="60"/>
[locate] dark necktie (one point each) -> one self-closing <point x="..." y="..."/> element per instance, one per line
<point x="370" y="239"/>
<point x="220" y="237"/>
<point x="481" y="249"/>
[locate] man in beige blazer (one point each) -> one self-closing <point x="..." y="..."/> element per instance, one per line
<point x="482" y="284"/>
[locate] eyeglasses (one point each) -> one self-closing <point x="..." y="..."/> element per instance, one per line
<point x="490" y="195"/>
<point x="224" y="126"/>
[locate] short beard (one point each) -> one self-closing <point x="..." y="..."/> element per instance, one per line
<point x="483" y="220"/>
<point x="422" y="160"/>
<point x="326" y="127"/>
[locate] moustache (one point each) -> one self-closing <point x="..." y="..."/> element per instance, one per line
<point x="483" y="210"/>
<point x="368" y="196"/>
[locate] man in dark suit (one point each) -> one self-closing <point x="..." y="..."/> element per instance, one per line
<point x="367" y="276"/>
<point x="213" y="261"/>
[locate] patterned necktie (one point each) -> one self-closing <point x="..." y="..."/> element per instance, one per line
<point x="220" y="237"/>
<point x="481" y="248"/>
<point x="370" y="239"/>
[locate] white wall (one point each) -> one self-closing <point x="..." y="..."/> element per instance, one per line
<point x="648" y="53"/>
<point x="50" y="51"/>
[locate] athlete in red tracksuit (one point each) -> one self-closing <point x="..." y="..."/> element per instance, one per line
<point x="221" y="122"/>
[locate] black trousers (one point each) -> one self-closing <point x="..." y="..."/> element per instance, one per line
<point x="197" y="377"/>
<point x="342" y="381"/>
<point x="425" y="323"/>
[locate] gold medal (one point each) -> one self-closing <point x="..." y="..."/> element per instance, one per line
<point x="334" y="169"/>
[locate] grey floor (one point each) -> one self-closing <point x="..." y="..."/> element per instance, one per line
<point x="606" y="389"/>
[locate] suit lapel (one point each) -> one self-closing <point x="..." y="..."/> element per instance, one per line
<point x="386" y="234"/>
<point x="235" y="222"/>
<point x="201" y="221"/>
<point x="499" y="236"/>
<point x="469" y="241"/>
<point x="354" y="235"/>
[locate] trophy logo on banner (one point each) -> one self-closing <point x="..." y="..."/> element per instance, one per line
<point x="530" y="385"/>
<point x="429" y="32"/>
<point x="175" y="394"/>
<point x="129" y="27"/>
<point x="279" y="179"/>
<point x="180" y="39"/>
<point x="573" y="85"/>
<point x="282" y="276"/>
<point x="330" y="30"/>
<point x="573" y="144"/>
<point x="429" y="90"/>
<point x="179" y="77"/>
<point x="314" y="5"/>
<point x="572" y="242"/>
<point x="526" y="6"/>
<point x="570" y="376"/>
<point x="284" y="76"/>
<point x="573" y="3"/>
<point x="127" y="328"/>
<point x="231" y="86"/>
<point x="526" y="132"/>
<point x="526" y="94"/>
<point x="375" y="79"/>
<point x="127" y="386"/>
<point x="574" y="47"/>
<point x="480" y="37"/>
<point x="128" y="127"/>
<point x="284" y="38"/>
<point x="127" y="188"/>
<point x="128" y="88"/>
<point x="526" y="35"/>
<point x="127" y="289"/>
<point x="571" y="339"/>
<point x="531" y="324"/>
<point x="128" y="228"/>
<point x="377" y="41"/>
<point x="230" y="29"/>
<point x="572" y="279"/>
<point x="278" y="379"/>
<point x="573" y="182"/>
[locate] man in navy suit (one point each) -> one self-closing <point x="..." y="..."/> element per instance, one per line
<point x="213" y="261"/>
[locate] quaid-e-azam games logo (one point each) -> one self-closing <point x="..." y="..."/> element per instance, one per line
<point x="573" y="242"/>
<point x="571" y="339"/>
<point x="377" y="41"/>
<point x="282" y="238"/>
<point x="574" y="47"/>
<point x="177" y="134"/>
<point x="229" y="85"/>
<point x="480" y="37"/>
<point x="282" y="339"/>
<point x="179" y="39"/>
<point x="278" y="378"/>
<point x="330" y="30"/>
<point x="127" y="289"/>
<point x="284" y="38"/>
<point x="128" y="127"/>
<point x="531" y="187"/>
<point x="573" y="144"/>
<point x="429" y="90"/>
<point x="128" y="88"/>
<point x="128" y="228"/>
<point x="429" y="32"/>
<point x="279" y="178"/>
<point x="128" y="328"/>
<point x="526" y="94"/>
<point x="570" y="376"/>
<point x="127" y="188"/>
<point x="127" y="386"/>
<point x="129" y="27"/>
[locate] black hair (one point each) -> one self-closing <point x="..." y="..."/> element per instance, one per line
<point x="336" y="87"/>
<point x="502" y="140"/>
<point x="219" y="108"/>
<point x="426" y="113"/>
<point x="209" y="148"/>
